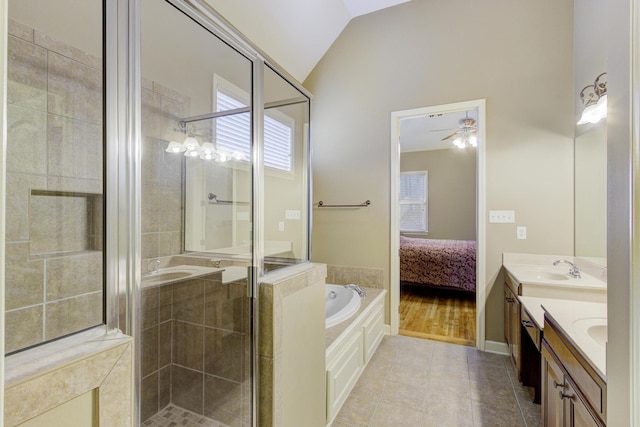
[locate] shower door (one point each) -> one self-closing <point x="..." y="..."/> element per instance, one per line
<point x="195" y="331"/>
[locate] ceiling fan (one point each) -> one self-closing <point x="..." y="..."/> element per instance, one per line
<point x="467" y="128"/>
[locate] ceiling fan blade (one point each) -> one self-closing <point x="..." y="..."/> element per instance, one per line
<point x="441" y="130"/>
<point x="449" y="136"/>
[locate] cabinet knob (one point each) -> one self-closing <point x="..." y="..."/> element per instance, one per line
<point x="510" y="299"/>
<point x="564" y="396"/>
<point x="527" y="324"/>
<point x="556" y="385"/>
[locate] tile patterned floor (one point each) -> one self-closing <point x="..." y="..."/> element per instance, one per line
<point x="174" y="416"/>
<point x="421" y="383"/>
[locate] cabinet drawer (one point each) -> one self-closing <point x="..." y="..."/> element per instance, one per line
<point x="530" y="326"/>
<point x="593" y="390"/>
<point x="343" y="373"/>
<point x="373" y="330"/>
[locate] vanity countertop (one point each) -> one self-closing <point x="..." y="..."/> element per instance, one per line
<point x="585" y="324"/>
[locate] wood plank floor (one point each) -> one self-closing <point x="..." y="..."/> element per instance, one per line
<point x="438" y="314"/>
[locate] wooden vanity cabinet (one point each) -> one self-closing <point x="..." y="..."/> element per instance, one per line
<point x="512" y="325"/>
<point x="573" y="395"/>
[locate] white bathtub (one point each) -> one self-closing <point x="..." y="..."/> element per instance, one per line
<point x="340" y="304"/>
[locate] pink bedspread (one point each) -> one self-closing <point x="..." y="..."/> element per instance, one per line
<point x="450" y="263"/>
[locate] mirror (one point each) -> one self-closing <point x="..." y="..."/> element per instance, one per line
<point x="590" y="143"/>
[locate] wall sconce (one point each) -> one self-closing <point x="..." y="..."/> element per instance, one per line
<point x="191" y="147"/>
<point x="594" y="98"/>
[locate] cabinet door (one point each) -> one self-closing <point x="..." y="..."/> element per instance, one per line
<point x="512" y="317"/>
<point x="507" y="315"/>
<point x="553" y="385"/>
<point x="576" y="412"/>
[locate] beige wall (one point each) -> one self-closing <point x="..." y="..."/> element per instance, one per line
<point x="422" y="53"/>
<point x="451" y="192"/>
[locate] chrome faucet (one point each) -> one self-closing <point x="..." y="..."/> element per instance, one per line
<point x="356" y="288"/>
<point x="573" y="272"/>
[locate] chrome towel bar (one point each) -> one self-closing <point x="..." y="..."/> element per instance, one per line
<point x="361" y="205"/>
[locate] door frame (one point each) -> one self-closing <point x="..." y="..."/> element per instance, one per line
<point x="394" y="281"/>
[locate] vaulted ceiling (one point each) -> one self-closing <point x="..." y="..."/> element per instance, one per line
<point x="295" y="34"/>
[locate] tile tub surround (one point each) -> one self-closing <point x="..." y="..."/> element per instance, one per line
<point x="194" y="348"/>
<point x="43" y="378"/>
<point x="362" y="276"/>
<point x="54" y="148"/>
<point x="422" y="383"/>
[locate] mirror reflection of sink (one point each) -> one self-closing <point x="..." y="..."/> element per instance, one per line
<point x="593" y="327"/>
<point x="543" y="275"/>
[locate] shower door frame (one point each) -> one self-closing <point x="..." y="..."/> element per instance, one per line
<point x="124" y="160"/>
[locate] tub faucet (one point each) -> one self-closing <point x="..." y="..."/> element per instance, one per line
<point x="153" y="266"/>
<point x="356" y="288"/>
<point x="573" y="272"/>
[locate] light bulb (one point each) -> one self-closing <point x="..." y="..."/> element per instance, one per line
<point x="191" y="153"/>
<point x="190" y="143"/>
<point x="473" y="141"/>
<point x="207" y="147"/>
<point x="174" y="147"/>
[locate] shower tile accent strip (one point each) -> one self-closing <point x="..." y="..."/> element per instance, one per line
<point x="54" y="145"/>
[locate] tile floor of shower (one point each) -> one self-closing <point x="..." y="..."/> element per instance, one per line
<point x="420" y="383"/>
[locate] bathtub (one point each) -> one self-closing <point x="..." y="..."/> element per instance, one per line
<point x="340" y="304"/>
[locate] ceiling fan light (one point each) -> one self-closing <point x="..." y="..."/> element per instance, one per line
<point x="473" y="141"/>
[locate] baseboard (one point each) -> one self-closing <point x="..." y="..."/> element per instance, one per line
<point x="496" y="347"/>
<point x="386" y="329"/>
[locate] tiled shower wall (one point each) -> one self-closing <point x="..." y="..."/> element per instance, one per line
<point x="162" y="108"/>
<point x="195" y="349"/>
<point x="54" y="189"/>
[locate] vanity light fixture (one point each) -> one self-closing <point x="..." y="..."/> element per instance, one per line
<point x="594" y="98"/>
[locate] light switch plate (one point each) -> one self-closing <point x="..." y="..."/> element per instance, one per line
<point x="292" y="214"/>
<point x="503" y="217"/>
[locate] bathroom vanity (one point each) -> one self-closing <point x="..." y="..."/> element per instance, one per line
<point x="555" y="327"/>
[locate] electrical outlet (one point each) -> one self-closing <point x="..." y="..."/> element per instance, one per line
<point x="281" y="226"/>
<point x="502" y="217"/>
<point x="521" y="233"/>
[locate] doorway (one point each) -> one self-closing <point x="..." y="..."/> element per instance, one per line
<point x="461" y="134"/>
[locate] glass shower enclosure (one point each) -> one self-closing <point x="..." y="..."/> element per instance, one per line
<point x="224" y="185"/>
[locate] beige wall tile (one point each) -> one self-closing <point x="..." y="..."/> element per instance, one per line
<point x="57" y="224"/>
<point x="23" y="328"/>
<point x="222" y="400"/>
<point x="149" y="399"/>
<point x="149" y="351"/>
<point x="188" y="301"/>
<point x="223" y="309"/>
<point x="20" y="30"/>
<point x="164" y="387"/>
<point x="150" y="306"/>
<point x="64" y="49"/>
<point x="17" y="201"/>
<point x="223" y="354"/>
<point x="160" y="116"/>
<point x="187" y="345"/>
<point x="187" y="389"/>
<point x="150" y="245"/>
<point x="74" y="314"/>
<point x="165" y="344"/>
<point x="81" y="185"/>
<point x="170" y="243"/>
<point x="24" y="279"/>
<point x="26" y="75"/>
<point x="74" y="275"/>
<point x="75" y="148"/>
<point x="75" y="90"/>
<point x="26" y="140"/>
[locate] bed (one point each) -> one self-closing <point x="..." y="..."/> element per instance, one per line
<point x="441" y="263"/>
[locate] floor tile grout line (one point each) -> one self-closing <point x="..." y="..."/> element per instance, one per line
<point x="515" y="394"/>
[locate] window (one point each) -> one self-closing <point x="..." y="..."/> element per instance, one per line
<point x="413" y="201"/>
<point x="233" y="133"/>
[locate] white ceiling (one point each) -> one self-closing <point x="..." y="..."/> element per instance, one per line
<point x="296" y="34"/>
<point x="426" y="132"/>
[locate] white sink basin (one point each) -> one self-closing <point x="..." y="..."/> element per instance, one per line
<point x="593" y="327"/>
<point x="174" y="274"/>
